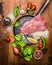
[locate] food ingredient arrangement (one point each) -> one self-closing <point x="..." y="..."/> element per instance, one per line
<point x="30" y="42"/>
<point x="27" y="50"/>
<point x="31" y="8"/>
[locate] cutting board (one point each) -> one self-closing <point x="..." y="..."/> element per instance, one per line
<point x="7" y="55"/>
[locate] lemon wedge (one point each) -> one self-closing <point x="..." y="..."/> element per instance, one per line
<point x="32" y="40"/>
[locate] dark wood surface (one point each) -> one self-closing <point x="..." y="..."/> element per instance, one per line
<point x="7" y="56"/>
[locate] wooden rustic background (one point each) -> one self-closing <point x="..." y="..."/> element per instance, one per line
<point x="7" y="56"/>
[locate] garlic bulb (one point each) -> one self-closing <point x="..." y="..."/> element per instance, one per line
<point x="22" y="11"/>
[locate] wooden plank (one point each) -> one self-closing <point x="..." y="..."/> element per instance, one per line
<point x="7" y="57"/>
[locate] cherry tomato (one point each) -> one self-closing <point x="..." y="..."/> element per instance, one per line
<point x="40" y="45"/>
<point x="34" y="7"/>
<point x="29" y="4"/>
<point x="16" y="50"/>
<point x="8" y="40"/>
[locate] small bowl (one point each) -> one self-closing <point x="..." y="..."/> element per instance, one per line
<point x="38" y="54"/>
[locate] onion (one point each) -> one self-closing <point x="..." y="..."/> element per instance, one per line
<point x="16" y="50"/>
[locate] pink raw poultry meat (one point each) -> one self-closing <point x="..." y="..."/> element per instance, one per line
<point x="35" y="24"/>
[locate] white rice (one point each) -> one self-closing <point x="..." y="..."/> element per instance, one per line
<point x="39" y="34"/>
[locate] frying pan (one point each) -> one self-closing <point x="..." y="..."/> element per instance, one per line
<point x="25" y="18"/>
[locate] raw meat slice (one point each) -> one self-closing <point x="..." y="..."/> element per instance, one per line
<point x="42" y="28"/>
<point x="35" y="24"/>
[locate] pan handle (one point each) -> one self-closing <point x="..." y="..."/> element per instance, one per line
<point x="43" y="7"/>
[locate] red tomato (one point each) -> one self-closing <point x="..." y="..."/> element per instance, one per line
<point x="8" y="40"/>
<point x="34" y="7"/>
<point x="29" y="4"/>
<point x="16" y="50"/>
<point x="40" y="45"/>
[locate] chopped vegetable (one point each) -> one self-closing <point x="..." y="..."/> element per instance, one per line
<point x="27" y="59"/>
<point x="29" y="5"/>
<point x="16" y="11"/>
<point x="22" y="49"/>
<point x="34" y="7"/>
<point x="21" y="43"/>
<point x="40" y="45"/>
<point x="30" y="50"/>
<point x="32" y="40"/>
<point x="31" y="8"/>
<point x="23" y="52"/>
<point x="28" y="9"/>
<point x="14" y="44"/>
<point x="18" y="37"/>
<point x="16" y="24"/>
<point x="43" y="43"/>
<point x="27" y="53"/>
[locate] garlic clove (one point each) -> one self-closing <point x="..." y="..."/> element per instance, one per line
<point x="22" y="11"/>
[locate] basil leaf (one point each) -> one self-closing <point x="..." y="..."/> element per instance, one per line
<point x="27" y="58"/>
<point x="16" y="11"/>
<point x="14" y="44"/>
<point x="16" y="24"/>
<point x="22" y="43"/>
<point x="18" y="37"/>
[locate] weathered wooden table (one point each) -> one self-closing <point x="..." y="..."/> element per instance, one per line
<point x="7" y="56"/>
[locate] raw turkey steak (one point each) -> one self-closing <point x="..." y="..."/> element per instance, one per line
<point x="35" y="24"/>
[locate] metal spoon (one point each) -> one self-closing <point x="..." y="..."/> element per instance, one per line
<point x="43" y="7"/>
